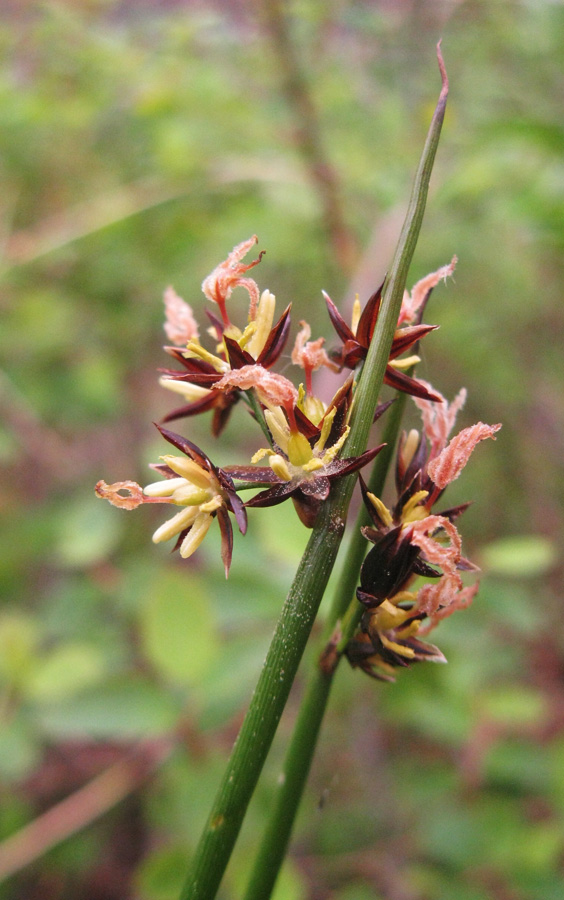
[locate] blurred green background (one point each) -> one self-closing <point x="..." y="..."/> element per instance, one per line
<point x="138" y="143"/>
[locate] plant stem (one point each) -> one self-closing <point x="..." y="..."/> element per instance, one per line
<point x="293" y="776"/>
<point x="268" y="701"/>
<point x="302" y="747"/>
<point x="267" y="704"/>
<point x="392" y="294"/>
<point x="299" y="611"/>
<point x="256" y="408"/>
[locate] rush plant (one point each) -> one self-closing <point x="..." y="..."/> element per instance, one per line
<point x="404" y="571"/>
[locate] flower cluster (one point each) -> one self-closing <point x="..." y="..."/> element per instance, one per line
<point x="411" y="543"/>
<point x="305" y="438"/>
<point x="197" y="486"/>
<point x="356" y="338"/>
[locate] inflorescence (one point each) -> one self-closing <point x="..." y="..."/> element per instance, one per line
<point x="411" y="577"/>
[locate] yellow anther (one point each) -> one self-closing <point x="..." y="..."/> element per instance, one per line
<point x="262" y="323"/>
<point x="183" y="519"/>
<point x="188" y="495"/>
<point x="411" y="629"/>
<point x="221" y="348"/>
<point x="260" y="454"/>
<point x="383" y="666"/>
<point x="389" y="616"/>
<point x="278" y="426"/>
<point x="212" y="504"/>
<point x="325" y="430"/>
<point x="335" y="448"/>
<point x="313" y="408"/>
<point x="247" y="336"/>
<point x="408" y="652"/>
<point x="411" y="511"/>
<point x="382" y="510"/>
<point x="232" y="332"/>
<point x="405" y="363"/>
<point x="409" y="447"/>
<point x="219" y="364"/>
<point x="403" y="596"/>
<point x="196" y="535"/>
<point x="280" y="467"/>
<point x="314" y="465"/>
<point x="299" y="450"/>
<point x="163" y="488"/>
<point x="188" y="469"/>
<point x="355" y="315"/>
<point x="190" y="392"/>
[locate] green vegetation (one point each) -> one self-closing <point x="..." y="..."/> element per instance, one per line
<point x="138" y="144"/>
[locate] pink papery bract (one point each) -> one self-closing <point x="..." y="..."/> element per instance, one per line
<point x="270" y="387"/>
<point x="439" y="418"/>
<point x="111" y="492"/>
<point x="435" y="553"/>
<point x="310" y="355"/>
<point x="180" y="325"/>
<point x="450" y="462"/>
<point x="229" y="274"/>
<point x="412" y="303"/>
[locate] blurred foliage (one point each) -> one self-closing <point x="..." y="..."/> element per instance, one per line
<point x="138" y="144"/>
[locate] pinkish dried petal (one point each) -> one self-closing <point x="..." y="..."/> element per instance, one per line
<point x="445" y="556"/>
<point x="228" y="275"/>
<point x="270" y="387"/>
<point x="439" y="594"/>
<point x="439" y="418"/>
<point x="449" y="603"/>
<point x="449" y="464"/>
<point x="442" y="597"/>
<point x="412" y="303"/>
<point x="310" y="355"/>
<point x="180" y="325"/>
<point x="111" y="492"/>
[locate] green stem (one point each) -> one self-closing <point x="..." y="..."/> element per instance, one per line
<point x="346" y="611"/>
<point x="357" y="547"/>
<point x="302" y="747"/>
<point x="375" y="365"/>
<point x="250" y="485"/>
<point x="256" y="408"/>
<point x="293" y="776"/>
<point x="267" y="704"/>
<point x="298" y="614"/>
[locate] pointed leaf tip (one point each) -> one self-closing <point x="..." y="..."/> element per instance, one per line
<point x="443" y="71"/>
